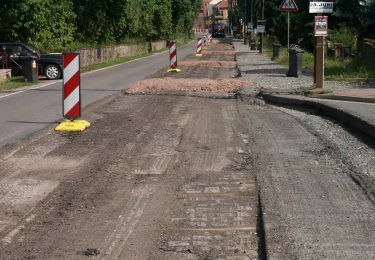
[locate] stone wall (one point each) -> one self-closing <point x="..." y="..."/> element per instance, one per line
<point x="157" y="46"/>
<point x="103" y="54"/>
<point x="92" y="56"/>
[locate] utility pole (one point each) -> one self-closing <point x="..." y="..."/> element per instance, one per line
<point x="262" y="35"/>
<point x="245" y="23"/>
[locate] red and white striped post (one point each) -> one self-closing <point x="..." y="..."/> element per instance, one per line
<point x="173" y="57"/>
<point x="72" y="90"/>
<point x="72" y="95"/>
<point x="199" y="47"/>
<point x="209" y="39"/>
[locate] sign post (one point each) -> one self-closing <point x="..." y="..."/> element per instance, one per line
<point x="288" y="6"/>
<point x="261" y="28"/>
<point x="320" y="32"/>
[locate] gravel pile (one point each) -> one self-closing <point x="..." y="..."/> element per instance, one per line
<point x="219" y="53"/>
<point x="209" y="64"/>
<point x="222" y="46"/>
<point x="159" y="85"/>
<point x="269" y="75"/>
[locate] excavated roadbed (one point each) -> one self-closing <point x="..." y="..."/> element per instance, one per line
<point x="161" y="176"/>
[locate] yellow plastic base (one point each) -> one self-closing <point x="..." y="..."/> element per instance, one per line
<point x="199" y="55"/>
<point x="73" y="126"/>
<point x="174" y="70"/>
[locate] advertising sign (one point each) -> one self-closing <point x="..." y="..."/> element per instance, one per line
<point x="261" y="26"/>
<point x="321" y="7"/>
<point x="321" y="26"/>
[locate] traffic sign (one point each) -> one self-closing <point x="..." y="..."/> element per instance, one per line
<point x="321" y="7"/>
<point x="288" y="6"/>
<point x="261" y="26"/>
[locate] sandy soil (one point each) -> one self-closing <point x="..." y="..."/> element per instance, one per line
<point x="189" y="85"/>
<point x="209" y="64"/>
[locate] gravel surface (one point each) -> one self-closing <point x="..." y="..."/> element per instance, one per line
<point x="350" y="150"/>
<point x="187" y="85"/>
<point x="218" y="52"/>
<point x="269" y="75"/>
<point x="209" y="64"/>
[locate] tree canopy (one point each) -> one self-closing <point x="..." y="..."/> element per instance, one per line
<point x="57" y="24"/>
<point x="356" y="16"/>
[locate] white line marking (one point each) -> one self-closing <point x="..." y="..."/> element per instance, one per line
<point x="34" y="88"/>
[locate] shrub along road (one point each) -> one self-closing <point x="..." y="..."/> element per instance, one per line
<point x="165" y="176"/>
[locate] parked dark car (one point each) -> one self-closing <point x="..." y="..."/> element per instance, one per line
<point x="49" y="65"/>
<point x="218" y="34"/>
<point x="218" y="31"/>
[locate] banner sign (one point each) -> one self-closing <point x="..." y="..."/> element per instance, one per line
<point x="321" y="7"/>
<point x="321" y="26"/>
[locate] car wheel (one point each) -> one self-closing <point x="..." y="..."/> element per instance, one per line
<point x="52" y="71"/>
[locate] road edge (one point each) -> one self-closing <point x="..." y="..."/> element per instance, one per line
<point x="347" y="119"/>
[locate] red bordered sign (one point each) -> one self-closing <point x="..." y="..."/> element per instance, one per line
<point x="288" y="6"/>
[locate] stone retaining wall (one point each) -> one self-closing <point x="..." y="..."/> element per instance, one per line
<point x="93" y="56"/>
<point x="157" y="46"/>
<point x="99" y="55"/>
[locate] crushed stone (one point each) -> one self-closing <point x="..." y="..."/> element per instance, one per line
<point x="157" y="85"/>
<point x="209" y="64"/>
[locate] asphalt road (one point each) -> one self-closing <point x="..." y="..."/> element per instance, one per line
<point x="24" y="113"/>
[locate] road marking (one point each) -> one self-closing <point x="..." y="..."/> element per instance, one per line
<point x="25" y="90"/>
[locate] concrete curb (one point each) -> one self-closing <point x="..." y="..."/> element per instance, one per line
<point x="349" y="120"/>
<point x="345" y="98"/>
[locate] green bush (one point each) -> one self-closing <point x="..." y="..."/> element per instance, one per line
<point x="345" y="36"/>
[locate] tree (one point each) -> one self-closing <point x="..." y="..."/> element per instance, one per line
<point x="42" y="23"/>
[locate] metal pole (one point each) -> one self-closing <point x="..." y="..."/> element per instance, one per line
<point x="288" y="32"/>
<point x="262" y="35"/>
<point x="245" y="13"/>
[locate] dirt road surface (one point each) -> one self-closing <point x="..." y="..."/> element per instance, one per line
<point x="179" y="177"/>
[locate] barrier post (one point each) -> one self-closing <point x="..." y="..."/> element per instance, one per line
<point x="199" y="47"/>
<point x="72" y="104"/>
<point x="173" y="57"/>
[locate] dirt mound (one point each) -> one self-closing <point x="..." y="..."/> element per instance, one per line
<point x="222" y="46"/>
<point x="187" y="85"/>
<point x="209" y="64"/>
<point x="219" y="52"/>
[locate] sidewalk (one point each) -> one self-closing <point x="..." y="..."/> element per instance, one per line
<point x="352" y="104"/>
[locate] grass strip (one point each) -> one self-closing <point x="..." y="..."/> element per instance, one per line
<point x="13" y="83"/>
